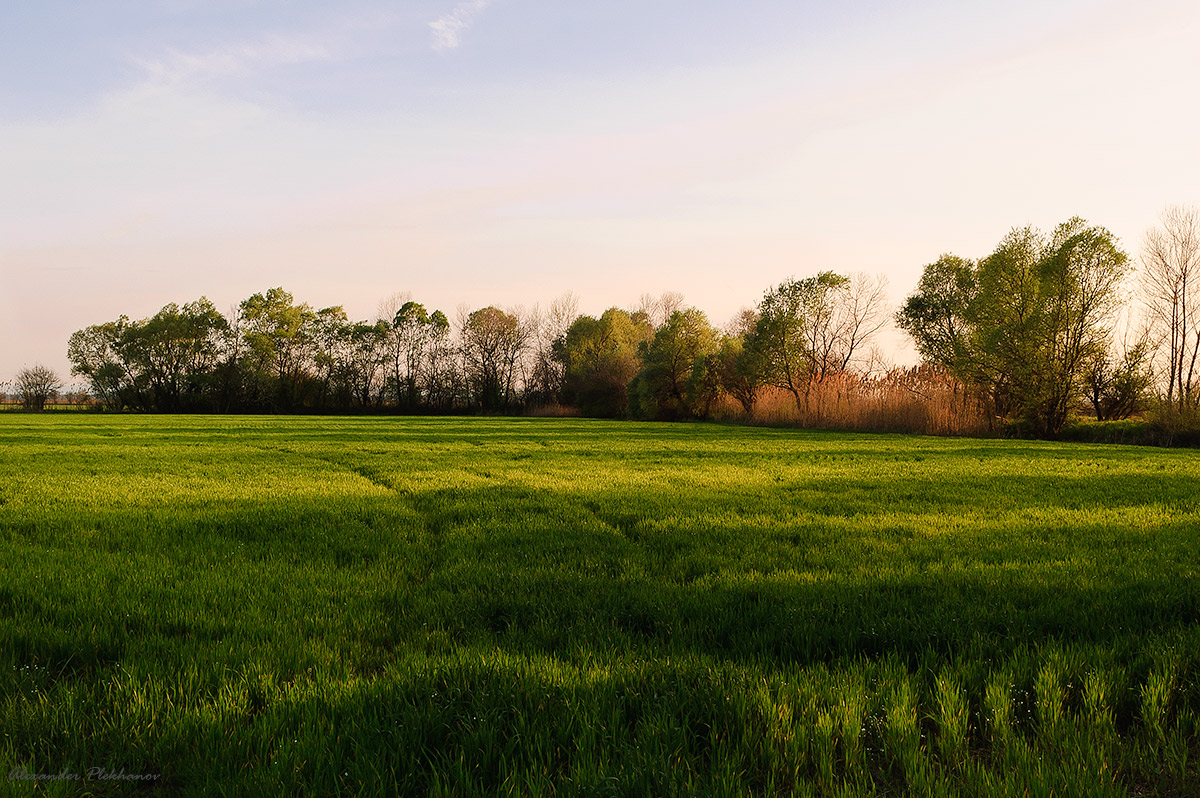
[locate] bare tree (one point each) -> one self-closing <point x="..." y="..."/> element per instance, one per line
<point x="862" y="313"/>
<point x="658" y="309"/>
<point x="37" y="385"/>
<point x="1171" y="286"/>
<point x="742" y="324"/>
<point x="388" y="306"/>
<point x="839" y="327"/>
<point x="547" y="327"/>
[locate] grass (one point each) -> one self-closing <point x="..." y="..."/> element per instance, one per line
<point x="375" y="606"/>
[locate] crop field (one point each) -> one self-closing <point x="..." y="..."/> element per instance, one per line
<point x="413" y="606"/>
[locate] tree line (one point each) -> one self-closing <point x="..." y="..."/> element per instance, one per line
<point x="659" y="360"/>
<point x="1027" y="335"/>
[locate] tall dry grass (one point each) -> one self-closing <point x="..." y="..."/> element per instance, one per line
<point x="921" y="400"/>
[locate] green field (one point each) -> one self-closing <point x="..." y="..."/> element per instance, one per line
<point x="379" y="606"/>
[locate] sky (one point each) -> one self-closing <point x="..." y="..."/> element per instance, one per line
<point x="505" y="152"/>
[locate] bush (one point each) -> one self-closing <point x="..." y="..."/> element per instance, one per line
<point x="1173" y="425"/>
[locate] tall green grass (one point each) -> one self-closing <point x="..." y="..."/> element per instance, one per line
<point x="266" y="606"/>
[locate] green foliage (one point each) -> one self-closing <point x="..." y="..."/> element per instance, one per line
<point x="1028" y="324"/>
<point x="174" y="350"/>
<point x="936" y="315"/>
<point x="788" y="319"/>
<point x="740" y="370"/>
<point x="166" y="362"/>
<point x="678" y="378"/>
<point x="599" y="358"/>
<point x="379" y="606"/>
<point x="95" y="353"/>
<point x="279" y="337"/>
<point x="1118" y="386"/>
<point x="412" y="330"/>
<point x="272" y="354"/>
<point x="809" y="331"/>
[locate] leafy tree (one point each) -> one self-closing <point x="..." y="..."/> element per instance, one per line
<point x="811" y="329"/>
<point x="740" y="370"/>
<point x="96" y="352"/>
<point x="780" y="336"/>
<point x="330" y="330"/>
<point x="439" y="377"/>
<point x="279" y="338"/>
<point x="366" y="357"/>
<point x="410" y="336"/>
<point x="1118" y="387"/>
<point x="677" y="378"/>
<point x="1081" y="275"/>
<point x="599" y="358"/>
<point x="1008" y="315"/>
<point x="739" y="364"/>
<point x="349" y="358"/>
<point x="175" y="351"/>
<point x="1026" y="324"/>
<point x="936" y="315"/>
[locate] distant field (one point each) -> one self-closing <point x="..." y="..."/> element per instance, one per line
<point x="378" y="606"/>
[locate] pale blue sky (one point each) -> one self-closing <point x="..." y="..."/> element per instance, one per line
<point x="504" y="152"/>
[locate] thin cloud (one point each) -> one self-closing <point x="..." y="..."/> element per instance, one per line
<point x="235" y="60"/>
<point x="448" y="28"/>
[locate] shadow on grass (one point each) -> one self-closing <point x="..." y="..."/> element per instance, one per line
<point x="825" y="570"/>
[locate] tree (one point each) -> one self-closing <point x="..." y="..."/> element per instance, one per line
<point x="1117" y="386"/>
<point x="96" y="352"/>
<point x="439" y="376"/>
<point x="410" y="332"/>
<point x="1080" y="277"/>
<point x="740" y="368"/>
<point x="853" y="312"/>
<point x="936" y="315"/>
<point x="1171" y="288"/>
<point x="677" y="378"/>
<point x="37" y="385"/>
<point x="1007" y="354"/>
<point x="811" y="329"/>
<point x="366" y="356"/>
<point x="492" y="340"/>
<point x="279" y="340"/>
<point x="174" y="351"/>
<point x="1026" y="324"/>
<point x="547" y="374"/>
<point x="227" y="383"/>
<point x="331" y="355"/>
<point x="1040" y="318"/>
<point x="599" y="357"/>
<point x="657" y="309"/>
